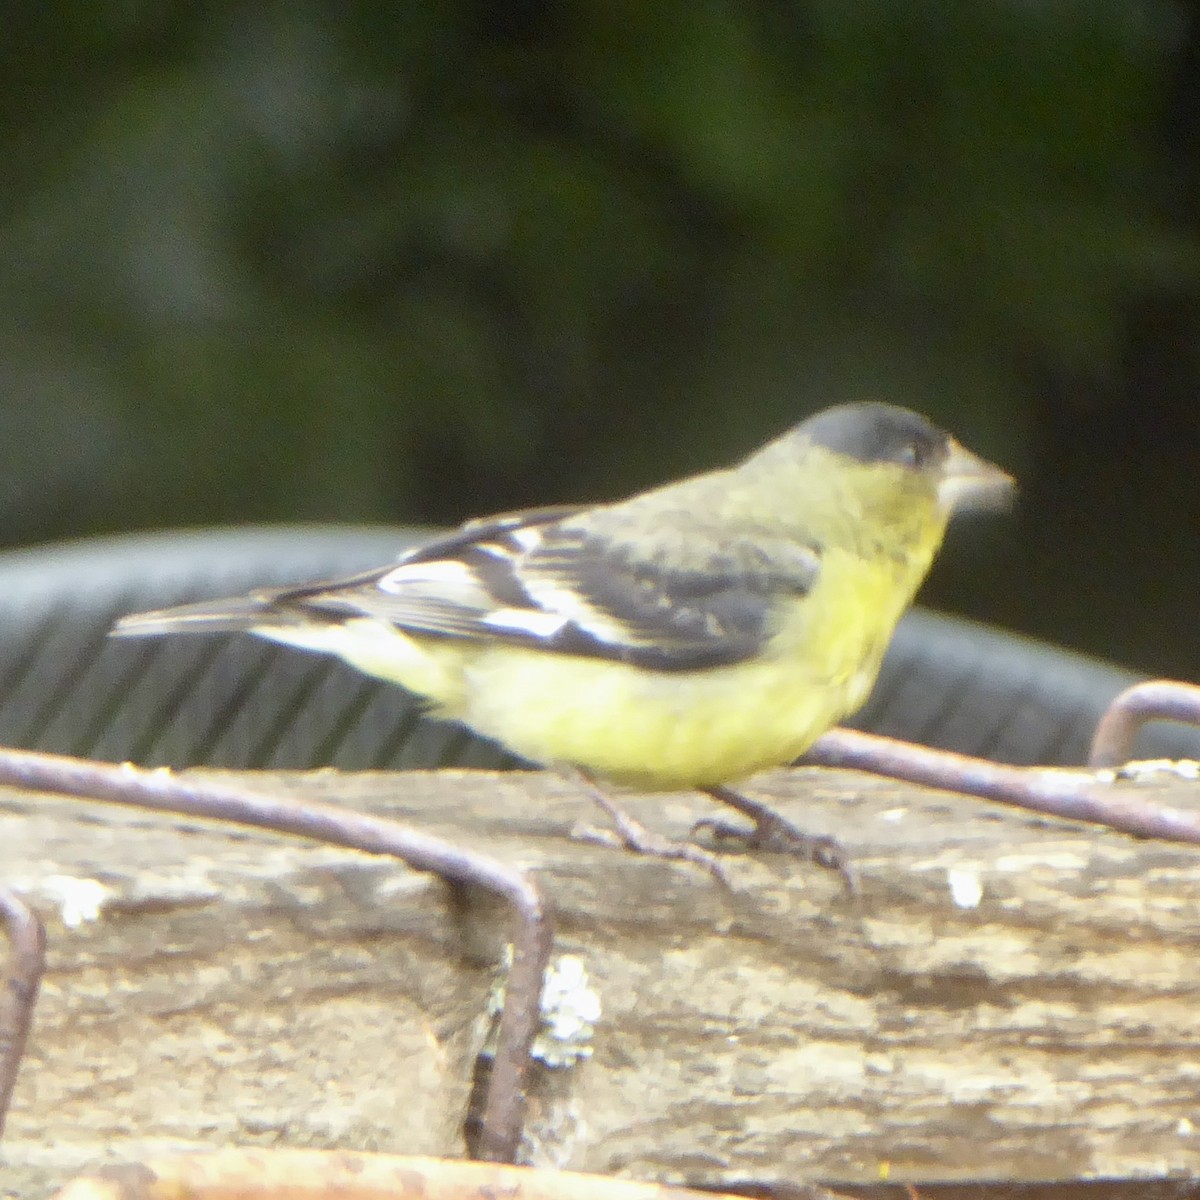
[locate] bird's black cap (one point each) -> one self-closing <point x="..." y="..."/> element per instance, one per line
<point x="876" y="433"/>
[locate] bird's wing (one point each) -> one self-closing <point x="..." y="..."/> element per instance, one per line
<point x="545" y="580"/>
<point x="299" y="605"/>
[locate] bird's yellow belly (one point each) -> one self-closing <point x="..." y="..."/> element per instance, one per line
<point x="663" y="729"/>
<point x="655" y="729"/>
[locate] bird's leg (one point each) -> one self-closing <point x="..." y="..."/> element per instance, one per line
<point x="771" y="832"/>
<point x="630" y="833"/>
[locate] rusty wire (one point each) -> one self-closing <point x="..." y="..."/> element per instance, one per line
<point x="1079" y="794"/>
<point x="26" y="965"/>
<point x="163" y="791"/>
<point x="1154" y="700"/>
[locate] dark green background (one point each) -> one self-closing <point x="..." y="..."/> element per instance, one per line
<point x="418" y="261"/>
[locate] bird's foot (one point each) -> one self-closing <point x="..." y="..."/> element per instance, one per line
<point x="774" y="834"/>
<point x="629" y="833"/>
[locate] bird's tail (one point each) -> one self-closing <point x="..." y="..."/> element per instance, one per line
<point x="237" y="615"/>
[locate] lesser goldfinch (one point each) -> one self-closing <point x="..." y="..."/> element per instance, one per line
<point x="683" y="638"/>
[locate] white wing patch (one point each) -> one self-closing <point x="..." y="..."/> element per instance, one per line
<point x="436" y="575"/>
<point x="535" y="621"/>
<point x="568" y="606"/>
<point x="450" y="595"/>
<point x="527" y="539"/>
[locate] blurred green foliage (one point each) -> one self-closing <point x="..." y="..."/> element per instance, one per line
<point x="414" y="260"/>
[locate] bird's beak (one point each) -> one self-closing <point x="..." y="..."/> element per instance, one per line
<point x="971" y="482"/>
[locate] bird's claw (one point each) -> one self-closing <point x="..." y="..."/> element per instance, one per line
<point x="636" y="837"/>
<point x="773" y="834"/>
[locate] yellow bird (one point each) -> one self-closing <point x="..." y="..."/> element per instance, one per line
<point x="683" y="638"/>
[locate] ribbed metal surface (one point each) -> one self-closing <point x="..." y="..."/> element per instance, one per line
<point x="231" y="701"/>
<point x="961" y="686"/>
<point x="236" y="701"/>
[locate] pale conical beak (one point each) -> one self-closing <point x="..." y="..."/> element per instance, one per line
<point x="969" y="482"/>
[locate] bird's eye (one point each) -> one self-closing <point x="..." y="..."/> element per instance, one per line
<point x="911" y="455"/>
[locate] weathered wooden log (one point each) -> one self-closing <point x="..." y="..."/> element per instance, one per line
<point x="1006" y="996"/>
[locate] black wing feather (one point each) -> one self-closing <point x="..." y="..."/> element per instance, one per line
<point x="672" y="619"/>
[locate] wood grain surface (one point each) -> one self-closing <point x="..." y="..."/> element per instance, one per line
<point x="1007" y="996"/>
